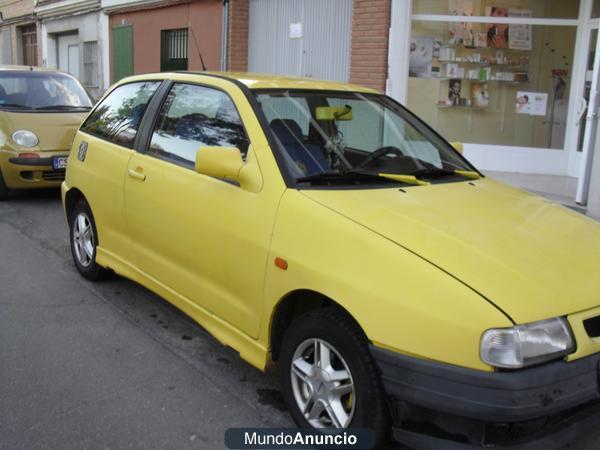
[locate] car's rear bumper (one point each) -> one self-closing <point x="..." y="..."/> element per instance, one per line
<point x="432" y="401"/>
<point x="23" y="173"/>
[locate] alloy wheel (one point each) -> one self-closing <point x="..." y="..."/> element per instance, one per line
<point x="322" y="385"/>
<point x="83" y="239"/>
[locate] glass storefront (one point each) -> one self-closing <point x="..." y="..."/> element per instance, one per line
<point x="493" y="80"/>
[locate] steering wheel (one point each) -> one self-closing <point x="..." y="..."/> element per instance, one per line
<point x="379" y="153"/>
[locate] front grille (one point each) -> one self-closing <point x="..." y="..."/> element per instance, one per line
<point x="54" y="175"/>
<point x="592" y="326"/>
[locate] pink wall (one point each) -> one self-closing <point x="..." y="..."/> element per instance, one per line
<point x="203" y="16"/>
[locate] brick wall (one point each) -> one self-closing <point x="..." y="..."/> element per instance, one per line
<point x="369" y="53"/>
<point x="237" y="36"/>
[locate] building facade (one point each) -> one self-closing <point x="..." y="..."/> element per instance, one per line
<point x="18" y="33"/>
<point x="151" y="36"/>
<point x="74" y="38"/>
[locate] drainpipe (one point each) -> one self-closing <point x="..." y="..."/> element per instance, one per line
<point x="224" y="35"/>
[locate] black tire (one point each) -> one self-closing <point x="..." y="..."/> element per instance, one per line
<point x="4" y="191"/>
<point x="338" y="330"/>
<point x="86" y="265"/>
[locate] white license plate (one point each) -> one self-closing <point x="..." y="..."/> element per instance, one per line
<point x="59" y="162"/>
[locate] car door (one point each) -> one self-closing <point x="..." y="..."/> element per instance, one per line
<point x="204" y="238"/>
<point x="104" y="146"/>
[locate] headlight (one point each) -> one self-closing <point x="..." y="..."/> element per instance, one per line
<point x="25" y="138"/>
<point x="525" y="345"/>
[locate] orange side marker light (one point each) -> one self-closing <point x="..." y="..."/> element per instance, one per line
<point x="281" y="263"/>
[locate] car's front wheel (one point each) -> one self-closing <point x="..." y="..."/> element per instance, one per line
<point x="84" y="241"/>
<point x="329" y="378"/>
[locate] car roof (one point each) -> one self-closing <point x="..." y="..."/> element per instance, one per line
<point x="18" y="68"/>
<point x="265" y="81"/>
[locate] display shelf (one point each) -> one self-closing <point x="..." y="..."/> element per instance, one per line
<point x="485" y="64"/>
<point x="470" y="107"/>
<point x="476" y="80"/>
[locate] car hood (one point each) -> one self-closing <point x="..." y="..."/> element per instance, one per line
<point x="55" y="131"/>
<point x="532" y="258"/>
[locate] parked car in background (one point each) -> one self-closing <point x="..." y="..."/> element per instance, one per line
<point x="40" y="111"/>
<point x="323" y="226"/>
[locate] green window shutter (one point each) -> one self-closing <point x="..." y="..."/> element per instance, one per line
<point x="122" y="51"/>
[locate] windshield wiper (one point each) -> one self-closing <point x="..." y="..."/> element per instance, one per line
<point x="440" y="173"/>
<point x="13" y="105"/>
<point x="354" y="175"/>
<point x="339" y="176"/>
<point x="87" y="108"/>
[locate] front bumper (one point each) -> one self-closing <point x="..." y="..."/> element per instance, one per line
<point x="469" y="408"/>
<point x="23" y="173"/>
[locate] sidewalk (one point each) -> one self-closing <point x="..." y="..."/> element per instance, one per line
<point x="560" y="189"/>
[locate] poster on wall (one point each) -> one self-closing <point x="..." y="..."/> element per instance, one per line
<point x="461" y="32"/>
<point x="497" y="33"/>
<point x="421" y="56"/>
<point x="532" y="103"/>
<point x="479" y="95"/>
<point x="519" y="36"/>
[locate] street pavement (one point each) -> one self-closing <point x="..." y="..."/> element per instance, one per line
<point x="111" y="365"/>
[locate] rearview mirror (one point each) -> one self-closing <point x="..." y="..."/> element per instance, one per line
<point x="333" y="112"/>
<point x="227" y="163"/>
<point x="458" y="146"/>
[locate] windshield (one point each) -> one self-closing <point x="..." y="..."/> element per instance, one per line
<point x="352" y="138"/>
<point x="45" y="91"/>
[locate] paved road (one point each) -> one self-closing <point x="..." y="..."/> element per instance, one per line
<point x="110" y="365"/>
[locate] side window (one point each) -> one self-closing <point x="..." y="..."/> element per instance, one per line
<point x="195" y="116"/>
<point x="118" y="117"/>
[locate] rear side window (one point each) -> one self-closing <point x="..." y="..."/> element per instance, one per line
<point x="117" y="118"/>
<point x="194" y="116"/>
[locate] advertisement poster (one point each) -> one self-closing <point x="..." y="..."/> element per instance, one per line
<point x="497" y="33"/>
<point x="532" y="103"/>
<point x="454" y="92"/>
<point x="479" y="95"/>
<point x="421" y="56"/>
<point x="460" y="32"/>
<point x="519" y="36"/>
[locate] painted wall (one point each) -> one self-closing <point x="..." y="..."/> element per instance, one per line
<point x="204" y="18"/>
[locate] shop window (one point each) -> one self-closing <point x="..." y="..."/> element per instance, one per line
<point x="174" y="50"/>
<point x="493" y="83"/>
<point x="548" y="9"/>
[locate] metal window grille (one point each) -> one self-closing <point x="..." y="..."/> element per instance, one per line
<point x="174" y="49"/>
<point x="90" y="64"/>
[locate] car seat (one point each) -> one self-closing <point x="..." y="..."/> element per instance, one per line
<point x="308" y="157"/>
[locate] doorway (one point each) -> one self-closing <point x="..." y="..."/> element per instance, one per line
<point x="300" y="37"/>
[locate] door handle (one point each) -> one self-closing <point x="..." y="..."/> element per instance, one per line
<point x="136" y="174"/>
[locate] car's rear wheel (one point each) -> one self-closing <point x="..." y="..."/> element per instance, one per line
<point x="84" y="241"/>
<point x="329" y="378"/>
<point x="4" y="191"/>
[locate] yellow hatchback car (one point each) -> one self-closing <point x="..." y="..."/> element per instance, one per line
<point x="323" y="226"/>
<point x="40" y="111"/>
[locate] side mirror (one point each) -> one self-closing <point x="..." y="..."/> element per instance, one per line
<point x="227" y="163"/>
<point x="458" y="146"/>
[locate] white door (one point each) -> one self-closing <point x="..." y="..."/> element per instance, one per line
<point x="68" y="53"/>
<point x="309" y="38"/>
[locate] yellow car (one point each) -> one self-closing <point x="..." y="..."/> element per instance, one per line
<point x="40" y="111"/>
<point x="322" y="226"/>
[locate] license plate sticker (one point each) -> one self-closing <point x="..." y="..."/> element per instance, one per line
<point x="59" y="162"/>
